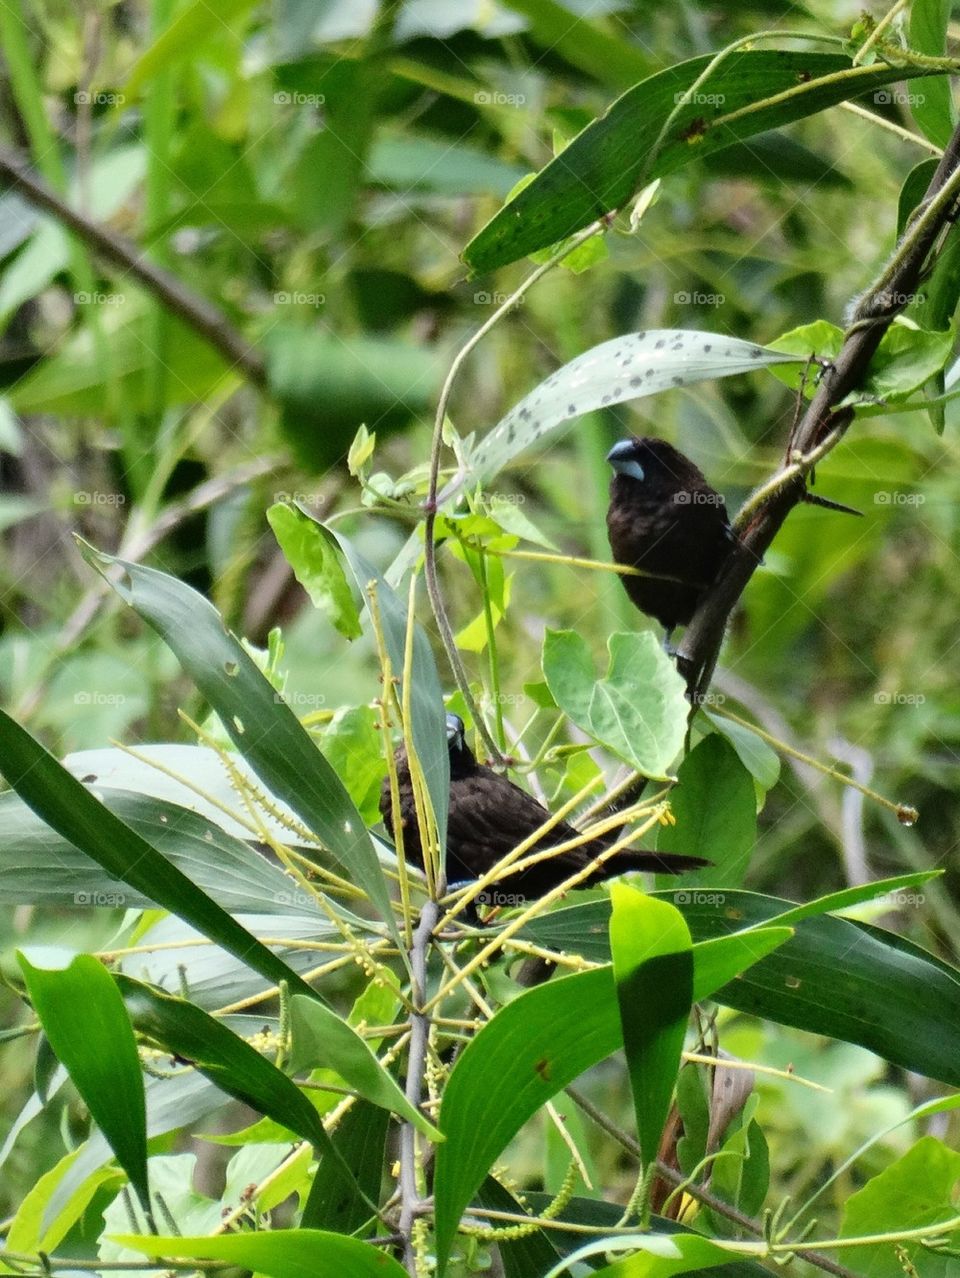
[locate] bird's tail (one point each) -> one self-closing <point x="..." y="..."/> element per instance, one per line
<point x="654" y="862"/>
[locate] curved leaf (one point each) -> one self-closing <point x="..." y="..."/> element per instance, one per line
<point x="628" y="367"/>
<point x="261" y="725"/>
<point x="321" y="1038"/>
<point x="428" y="726"/>
<point x="285" y="1253"/>
<point x="653" y="968"/>
<point x="226" y="1059"/>
<point x="84" y="1018"/>
<point x="611" y="158"/>
<point x="38" y="866"/>
<point x="835" y="977"/>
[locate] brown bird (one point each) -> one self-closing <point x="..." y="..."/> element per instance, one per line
<point x="489" y="816"/>
<point x="665" y="518"/>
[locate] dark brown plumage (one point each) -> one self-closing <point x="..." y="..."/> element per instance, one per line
<point x="489" y="816"/>
<point x="665" y="518"/>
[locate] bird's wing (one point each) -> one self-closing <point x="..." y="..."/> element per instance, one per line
<point x="489" y="816"/>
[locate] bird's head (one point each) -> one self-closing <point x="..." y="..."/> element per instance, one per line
<point x="654" y="462"/>
<point x="461" y="757"/>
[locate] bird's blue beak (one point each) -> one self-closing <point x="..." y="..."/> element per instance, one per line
<point x="623" y="458"/>
<point x="455" y="730"/>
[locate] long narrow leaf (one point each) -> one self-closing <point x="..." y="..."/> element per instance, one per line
<point x="750" y="92"/>
<point x="69" y="808"/>
<point x="261" y="725"/>
<point x="84" y="1018"/>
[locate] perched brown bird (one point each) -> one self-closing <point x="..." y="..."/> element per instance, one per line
<point x="665" y="518"/>
<point x="489" y="816"/>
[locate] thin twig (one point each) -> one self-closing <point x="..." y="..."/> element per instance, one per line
<point x="430" y="505"/>
<point x="202" y="316"/>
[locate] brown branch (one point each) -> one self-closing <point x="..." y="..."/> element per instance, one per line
<point x="875" y="313"/>
<point x="205" y="318"/>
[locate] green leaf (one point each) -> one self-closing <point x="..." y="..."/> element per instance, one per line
<point x="714" y="805"/>
<point x="340" y="1203"/>
<point x="653" y="969"/>
<point x="632" y="366"/>
<point x="327" y="386"/>
<point x="316" y="566"/>
<point x="30" y="1232"/>
<point x="932" y="105"/>
<point x="760" y="759"/>
<point x="613" y="156"/>
<point x="322" y="1039"/>
<point x="428" y="727"/>
<point x="225" y="1058"/>
<point x="531" y="1049"/>
<point x="284" y="1253"/>
<point x="193" y="25"/>
<point x="38" y="866"/>
<point x="638" y="711"/>
<point x="262" y="727"/>
<point x="657" y="1256"/>
<point x="85" y="1020"/>
<point x="835" y="977"/>
<point x="415" y="162"/>
<point x="918" y="1189"/>
<point x="73" y="812"/>
<point x="906" y="357"/>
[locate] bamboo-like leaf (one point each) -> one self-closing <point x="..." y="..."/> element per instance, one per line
<point x="531" y="1049"/>
<point x="72" y="811"/>
<point x="629" y="367"/>
<point x="261" y="725"/>
<point x="83" y="1016"/>
<point x="750" y="91"/>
